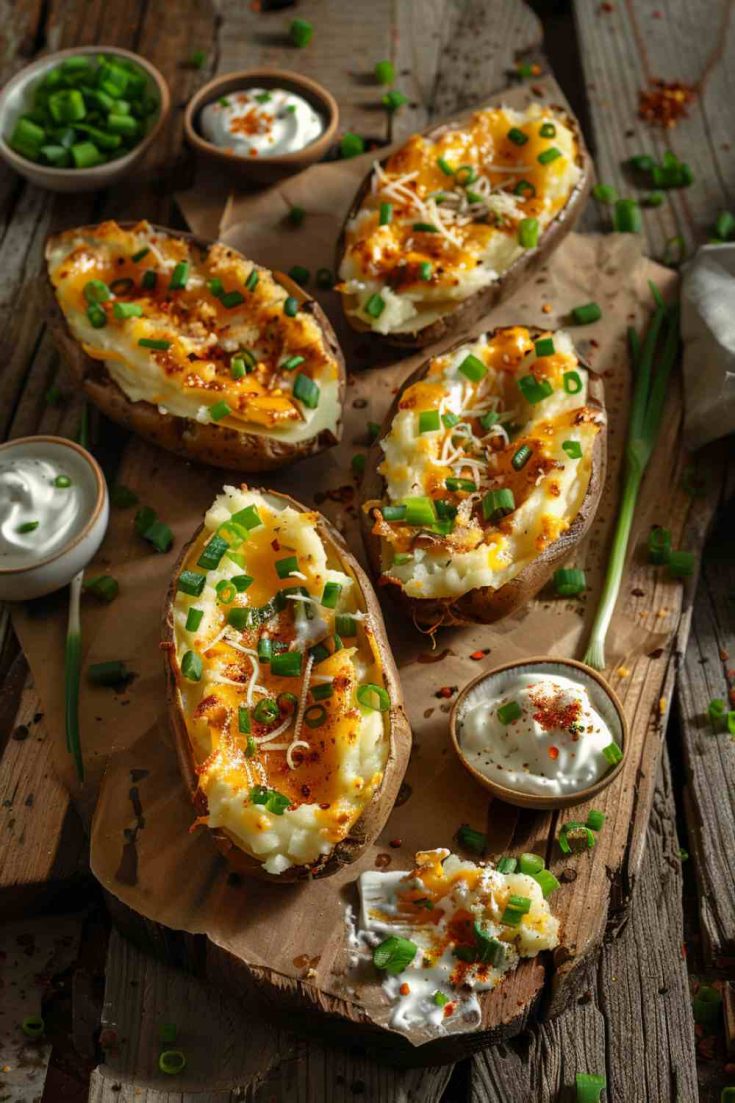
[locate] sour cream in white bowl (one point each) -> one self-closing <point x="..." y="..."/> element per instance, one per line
<point x="53" y="514"/>
<point x="541" y="733"/>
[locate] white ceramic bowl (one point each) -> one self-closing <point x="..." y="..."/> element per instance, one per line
<point x="495" y="681"/>
<point x="57" y="569"/>
<point x="13" y="103"/>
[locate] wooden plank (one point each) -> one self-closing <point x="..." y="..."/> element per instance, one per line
<point x="232" y="1052"/>
<point x="624" y="46"/>
<point x="633" y="1023"/>
<point x="707" y="672"/>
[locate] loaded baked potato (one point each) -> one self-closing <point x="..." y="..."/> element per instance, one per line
<point x="194" y="347"/>
<point x="283" y="695"/>
<point x="486" y="473"/>
<point x="455" y="219"/>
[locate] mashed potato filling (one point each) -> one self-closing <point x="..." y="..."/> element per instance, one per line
<point x="274" y="651"/>
<point x="487" y="461"/>
<point x="199" y="333"/>
<point x="467" y="925"/>
<point x="445" y="217"/>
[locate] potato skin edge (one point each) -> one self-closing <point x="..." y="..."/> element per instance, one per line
<point x="373" y="818"/>
<point x="476" y="306"/>
<point x="483" y="605"/>
<point x="206" y="443"/>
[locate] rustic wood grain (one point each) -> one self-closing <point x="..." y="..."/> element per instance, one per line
<point x="632" y="1023"/>
<point x="709" y="754"/>
<point x="624" y="46"/>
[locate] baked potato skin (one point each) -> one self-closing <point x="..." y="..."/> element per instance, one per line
<point x="374" y="816"/>
<point x="484" y="605"/>
<point x="476" y="306"/>
<point x="215" y="445"/>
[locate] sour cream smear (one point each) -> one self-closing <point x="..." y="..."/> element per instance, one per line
<point x="261" y="122"/>
<point x="536" y="733"/>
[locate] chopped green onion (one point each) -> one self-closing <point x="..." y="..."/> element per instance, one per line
<point x="345" y="625"/>
<point x="315" y="716"/>
<point x="226" y="592"/>
<point x="96" y="291"/>
<point x="509" y="712"/>
<point x="521" y="457"/>
<point x="659" y="545"/>
<point x="569" y="581"/>
<point x="179" y="276"/>
<point x="642" y="162"/>
<point x="110" y="673"/>
<point x="394" y="954"/>
<point x="573" y="449"/>
<point x="517" y="137"/>
<point x="97" y="316"/>
<point x="33" y="1026"/>
<point x="384" y="72"/>
<point x="28" y="526"/>
<point x="425" y="270"/>
<point x="62" y="482"/>
<point x="231" y="299"/>
<point x="154" y="343"/>
<point x="287" y="664"/>
<point x="300" y="32"/>
<point x="725" y="225"/>
<point x="472" y="840"/>
<point x="681" y="564"/>
<point x="394" y="99"/>
<point x="440" y="999"/>
<point x="372" y="696"/>
<point x="528" y="233"/>
<point x="546" y="881"/>
<point x="547" y="130"/>
<point x="149" y="279"/>
<point x="473" y="368"/>
<point x="653" y="199"/>
<point x="419" y="510"/>
<point x="395" y="513"/>
<point x="291" y="307"/>
<point x="506" y="865"/>
<point x="144" y="518"/>
<point x="453" y="483"/>
<point x="375" y="305"/>
<point x="386" y="214"/>
<point x="515" y="909"/>
<point x="530" y="863"/>
<point x="295" y="216"/>
<point x="273" y="801"/>
<point x="492" y="417"/>
<point x="351" y="145"/>
<point x="357" y="463"/>
<point x="307" y="391"/>
<point x="450" y="420"/>
<point x="524" y="188"/>
<point x="299" y="274"/>
<point x="266" y="712"/>
<point x="286" y="567"/>
<point x="193" y="619"/>
<point x="544" y="347"/>
<point x="127" y="310"/>
<point x="534" y="390"/>
<point x="586" y="314"/>
<point x="425" y="228"/>
<point x="104" y="587"/>
<point x="322" y="691"/>
<point x="498" y="504"/>
<point x="595" y="819"/>
<point x="465" y="175"/>
<point x="429" y="421"/>
<point x="548" y="155"/>
<point x="627" y="217"/>
<point x="604" y="193"/>
<point x="219" y="411"/>
<point x="191" y="583"/>
<point x="572" y="382"/>
<point x="445" y="166"/>
<point x="137" y="257"/>
<point x="612" y="753"/>
<point x="249" y="517"/>
<point x="172" y="1061"/>
<point x="589" y="1087"/>
<point x="242" y="582"/>
<point x="331" y="593"/>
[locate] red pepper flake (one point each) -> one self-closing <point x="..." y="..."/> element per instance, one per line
<point x="553" y="752"/>
<point x="446" y="691"/>
<point x="607" y="7"/>
<point x="664" y="103"/>
<point x="395" y="843"/>
<point x="554" y="714"/>
<point x="405" y="989"/>
<point x="449" y="1009"/>
<point x="477" y="655"/>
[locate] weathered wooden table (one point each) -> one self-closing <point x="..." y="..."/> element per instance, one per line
<point x="635" y="1019"/>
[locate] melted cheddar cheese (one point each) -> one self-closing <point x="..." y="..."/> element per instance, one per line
<point x="492" y="416"/>
<point x="286" y="759"/>
<point x="225" y="348"/>
<point x="441" y="217"/>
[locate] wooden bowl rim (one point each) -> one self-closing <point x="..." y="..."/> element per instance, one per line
<point x="536" y="800"/>
<point x="272" y="76"/>
<point x="39" y="66"/>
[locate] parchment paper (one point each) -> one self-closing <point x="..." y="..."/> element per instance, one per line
<point x="142" y="850"/>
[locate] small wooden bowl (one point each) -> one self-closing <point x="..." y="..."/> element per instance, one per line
<point x="602" y="697"/>
<point x="261" y="170"/>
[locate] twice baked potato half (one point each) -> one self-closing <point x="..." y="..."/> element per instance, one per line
<point x="487" y="472"/>
<point x="283" y="695"/>
<point x="194" y="347"/>
<point x="454" y="220"/>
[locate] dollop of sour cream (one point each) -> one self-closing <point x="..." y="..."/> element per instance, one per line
<point x="44" y="503"/>
<point x="536" y="733"/>
<point x="261" y="122"/>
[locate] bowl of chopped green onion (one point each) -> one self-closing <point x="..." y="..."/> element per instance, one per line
<point x="80" y="119"/>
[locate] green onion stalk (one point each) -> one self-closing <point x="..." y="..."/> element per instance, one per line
<point x="72" y="668"/>
<point x="653" y="360"/>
